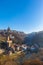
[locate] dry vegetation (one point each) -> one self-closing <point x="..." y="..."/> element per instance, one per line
<point x="11" y="59"/>
<point x="2" y="38"/>
<point x="33" y="62"/>
<point x="35" y="59"/>
<point x="14" y="59"/>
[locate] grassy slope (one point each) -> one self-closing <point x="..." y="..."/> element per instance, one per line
<point x="11" y="59"/>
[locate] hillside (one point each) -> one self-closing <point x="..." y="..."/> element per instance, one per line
<point x="16" y="36"/>
<point x="21" y="37"/>
<point x="34" y="38"/>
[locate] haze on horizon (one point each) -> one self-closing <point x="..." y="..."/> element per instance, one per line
<point x="22" y="15"/>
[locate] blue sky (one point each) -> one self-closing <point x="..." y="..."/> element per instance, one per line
<point x="21" y="15"/>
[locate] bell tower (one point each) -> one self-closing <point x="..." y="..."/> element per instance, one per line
<point x="9" y="41"/>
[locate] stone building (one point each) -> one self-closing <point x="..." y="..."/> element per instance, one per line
<point x="9" y="41"/>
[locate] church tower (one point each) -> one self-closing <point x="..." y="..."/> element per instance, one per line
<point x="9" y="41"/>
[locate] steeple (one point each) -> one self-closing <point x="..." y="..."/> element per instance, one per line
<point x="8" y="37"/>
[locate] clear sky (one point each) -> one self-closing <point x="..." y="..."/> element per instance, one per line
<point x="21" y="15"/>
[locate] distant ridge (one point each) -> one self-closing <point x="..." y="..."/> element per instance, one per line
<point x="21" y="37"/>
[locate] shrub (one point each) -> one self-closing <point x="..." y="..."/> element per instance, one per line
<point x="32" y="62"/>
